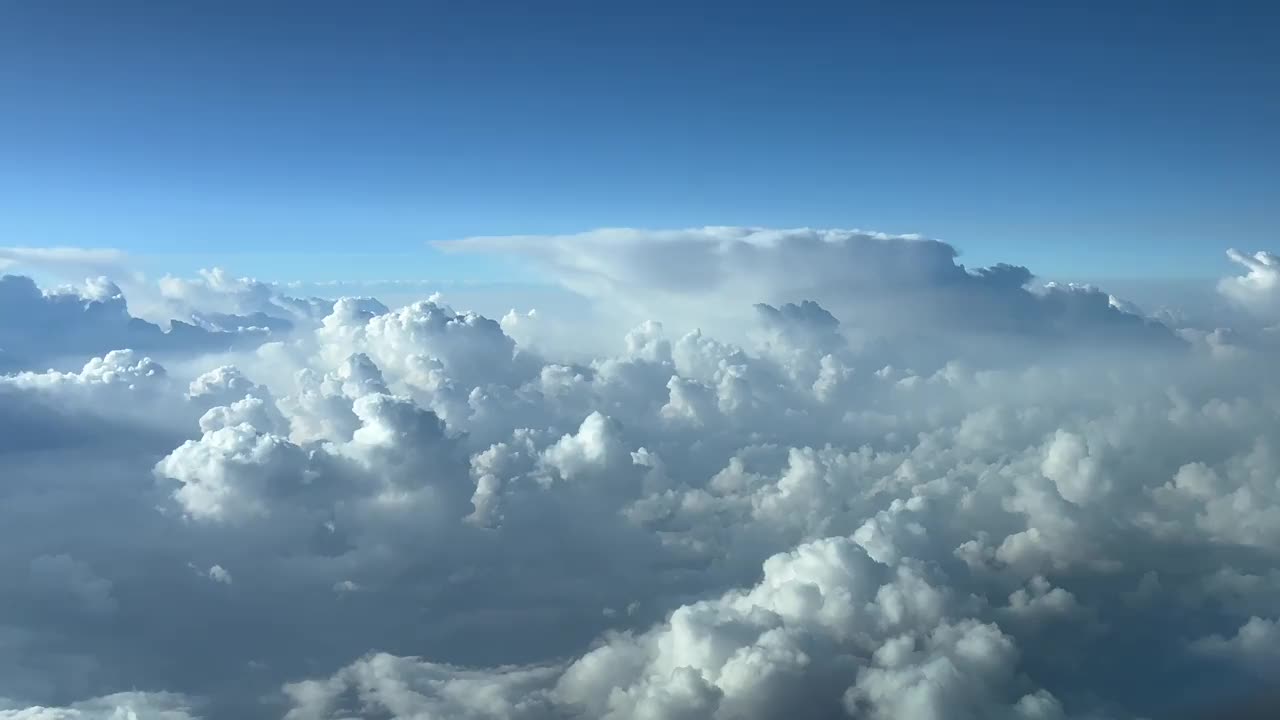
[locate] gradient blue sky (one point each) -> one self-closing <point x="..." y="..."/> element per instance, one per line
<point x="323" y="139"/>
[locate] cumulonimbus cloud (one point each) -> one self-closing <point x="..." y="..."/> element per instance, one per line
<point x="899" y="285"/>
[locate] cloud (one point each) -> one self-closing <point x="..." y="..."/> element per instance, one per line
<point x="1258" y="290"/>
<point x="1255" y="645"/>
<point x="65" y="261"/>
<point x="217" y="301"/>
<point x="825" y="628"/>
<point x="118" y="706"/>
<point x="885" y="285"/>
<point x="39" y="328"/>
<point x="60" y="577"/>
<point x="893" y="487"/>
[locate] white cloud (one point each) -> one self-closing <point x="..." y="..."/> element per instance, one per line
<point x="1258" y="290"/>
<point x="1255" y="645"/>
<point x="219" y="574"/>
<point x="234" y="472"/>
<point x="64" y="261"/>
<point x="118" y="368"/>
<point x="118" y="706"/>
<point x="894" y="487"/>
<point x="825" y="627"/>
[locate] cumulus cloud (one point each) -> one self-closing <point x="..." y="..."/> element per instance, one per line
<point x="217" y="301"/>
<point x="42" y="328"/>
<point x="1258" y="289"/>
<point x="825" y="628"/>
<point x="1256" y="644"/>
<point x="118" y="706"/>
<point x="892" y="487"/>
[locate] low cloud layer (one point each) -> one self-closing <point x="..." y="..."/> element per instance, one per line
<point x="893" y="487"/>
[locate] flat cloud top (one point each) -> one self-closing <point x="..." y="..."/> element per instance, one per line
<point x="885" y="284"/>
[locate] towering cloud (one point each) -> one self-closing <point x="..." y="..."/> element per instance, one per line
<point x="900" y="286"/>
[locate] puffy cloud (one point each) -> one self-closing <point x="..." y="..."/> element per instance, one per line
<point x="406" y="687"/>
<point x="118" y="368"/>
<point x="825" y="627"/>
<point x="1074" y="471"/>
<point x="223" y="385"/>
<point x="1255" y="645"/>
<point x="234" y="471"/>
<point x="118" y="706"/>
<point x="1237" y="505"/>
<point x="1258" y="290"/>
<point x="958" y="673"/>
<point x="219" y="574"/>
<point x="591" y="449"/>
<point x="473" y="350"/>
<point x="893" y="487"/>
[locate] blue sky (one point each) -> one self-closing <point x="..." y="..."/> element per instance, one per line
<point x="323" y="139"/>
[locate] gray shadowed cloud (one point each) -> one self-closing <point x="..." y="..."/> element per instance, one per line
<point x="75" y="323"/>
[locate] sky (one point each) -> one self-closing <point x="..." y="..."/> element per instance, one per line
<point x="308" y="141"/>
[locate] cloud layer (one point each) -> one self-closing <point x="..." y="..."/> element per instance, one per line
<point x="894" y="487"/>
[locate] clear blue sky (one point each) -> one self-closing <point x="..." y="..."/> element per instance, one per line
<point x="321" y="139"/>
